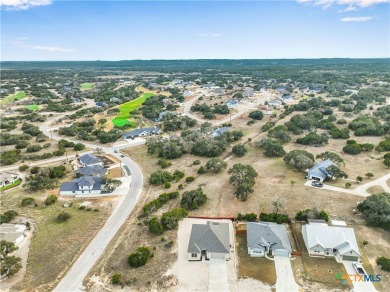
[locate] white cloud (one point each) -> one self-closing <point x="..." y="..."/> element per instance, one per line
<point x="210" y="34"/>
<point x="21" y="44"/>
<point x="356" y="19"/>
<point x="23" y="4"/>
<point x="352" y="4"/>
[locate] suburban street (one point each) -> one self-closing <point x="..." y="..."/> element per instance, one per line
<point x="79" y="270"/>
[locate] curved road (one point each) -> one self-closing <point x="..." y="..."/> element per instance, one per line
<point x="74" y="277"/>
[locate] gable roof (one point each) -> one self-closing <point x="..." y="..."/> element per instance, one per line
<point x="263" y="234"/>
<point x="93" y="170"/>
<point x="220" y="131"/>
<point x="341" y="238"/>
<point x="88" y="181"/>
<point x="137" y="132"/>
<point x="319" y="170"/>
<point x="89" y="159"/>
<point x="213" y="237"/>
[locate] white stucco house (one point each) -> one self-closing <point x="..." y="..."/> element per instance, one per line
<point x="7" y="178"/>
<point x="322" y="240"/>
<point x="209" y="241"/>
<point x="85" y="185"/>
<point x="267" y="237"/>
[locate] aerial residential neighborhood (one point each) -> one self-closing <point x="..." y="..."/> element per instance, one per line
<point x="195" y="146"/>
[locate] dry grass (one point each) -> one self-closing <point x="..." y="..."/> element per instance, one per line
<point x="321" y="270"/>
<point x="54" y="245"/>
<point x="115" y="172"/>
<point x="261" y="269"/>
<point x="375" y="190"/>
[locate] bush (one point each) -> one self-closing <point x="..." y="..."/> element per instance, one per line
<point x="352" y="148"/>
<point x="140" y="257"/>
<point x="376" y="210"/>
<point x="8" y="216"/>
<point x="201" y="170"/>
<point x="274" y="217"/>
<point x="189" y="179"/>
<point x="192" y="200"/>
<point x="27" y="202"/>
<point x="33" y="148"/>
<point x="311" y="214"/>
<point x="196" y="162"/>
<point x="216" y="165"/>
<point x="384" y="263"/>
<point x="256" y="115"/>
<point x="116" y="279"/>
<point x="341" y="122"/>
<point x="239" y="150"/>
<point x="348" y="185"/>
<point x="167" y="185"/>
<point x="178" y="175"/>
<point x="23" y="167"/>
<point x="156" y="204"/>
<point x="160" y="177"/>
<point x="170" y="219"/>
<point x="164" y="163"/>
<point x="267" y="126"/>
<point x="63" y="217"/>
<point x="299" y="159"/>
<point x="273" y="148"/>
<point x="155" y="226"/>
<point x="250" y="217"/>
<point x="51" y="199"/>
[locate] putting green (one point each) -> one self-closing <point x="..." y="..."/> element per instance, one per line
<point x="86" y="86"/>
<point x="15" y="97"/>
<point x="33" y="107"/>
<point x="125" y="109"/>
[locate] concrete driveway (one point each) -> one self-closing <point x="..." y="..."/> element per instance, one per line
<point x="285" y="281"/>
<point x="358" y="286"/>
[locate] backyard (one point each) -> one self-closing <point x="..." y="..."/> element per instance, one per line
<point x="125" y="109"/>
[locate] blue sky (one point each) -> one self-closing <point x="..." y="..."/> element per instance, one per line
<point x="119" y="30"/>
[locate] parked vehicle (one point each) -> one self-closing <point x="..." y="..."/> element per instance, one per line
<point x="317" y="184"/>
<point x="115" y="151"/>
<point x="122" y="155"/>
<point x="359" y="269"/>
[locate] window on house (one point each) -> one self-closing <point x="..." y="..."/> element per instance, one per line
<point x="194" y="255"/>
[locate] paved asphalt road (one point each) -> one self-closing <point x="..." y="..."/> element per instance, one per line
<point x="73" y="279"/>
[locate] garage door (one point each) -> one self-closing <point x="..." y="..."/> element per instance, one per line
<point x="281" y="253"/>
<point x="218" y="256"/>
<point x="350" y="258"/>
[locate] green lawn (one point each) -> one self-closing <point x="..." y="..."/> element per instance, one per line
<point x="16" y="183"/>
<point x="15" y="97"/>
<point x="125" y="109"/>
<point x="86" y="86"/>
<point x="33" y="107"/>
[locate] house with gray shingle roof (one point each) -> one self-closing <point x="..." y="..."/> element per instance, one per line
<point x="93" y="170"/>
<point x="89" y="160"/>
<point x="209" y="241"/>
<point x="267" y="237"/>
<point x="12" y="232"/>
<point x="85" y="185"/>
<point x="142" y="132"/>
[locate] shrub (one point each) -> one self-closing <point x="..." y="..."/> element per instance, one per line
<point x="8" y="216"/>
<point x="384" y="263"/>
<point x="116" y="279"/>
<point x="273" y="148"/>
<point x="164" y="163"/>
<point x="216" y="165"/>
<point x="201" y="170"/>
<point x="23" y="167"/>
<point x="239" y="150"/>
<point x="250" y="217"/>
<point x="376" y="210"/>
<point x="27" y="202"/>
<point x="341" y="122"/>
<point x="156" y="204"/>
<point x="267" y="126"/>
<point x="170" y="219"/>
<point x="155" y="226"/>
<point x="189" y="179"/>
<point x="348" y="185"/>
<point x="256" y="115"/>
<point x="167" y="185"/>
<point x="274" y="217"/>
<point x="140" y="257"/>
<point x="192" y="200"/>
<point x="178" y="175"/>
<point x="63" y="217"/>
<point x="51" y="199"/>
<point x="196" y="162"/>
<point x="160" y="177"/>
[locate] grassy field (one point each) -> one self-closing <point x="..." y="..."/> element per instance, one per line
<point x="15" y="97"/>
<point x="86" y="86"/>
<point x="33" y="107"/>
<point x="54" y="245"/>
<point x="125" y="109"/>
